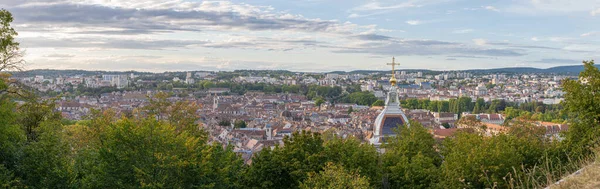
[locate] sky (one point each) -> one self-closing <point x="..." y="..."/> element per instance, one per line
<point x="304" y="35"/>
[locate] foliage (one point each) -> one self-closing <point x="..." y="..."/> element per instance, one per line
<point x="46" y="162"/>
<point x="319" y="101"/>
<point x="10" y="53"/>
<point x="308" y="153"/>
<point x="472" y="161"/>
<point x="582" y="102"/>
<point x="286" y="167"/>
<point x="410" y="159"/>
<point x="360" y="98"/>
<point x="146" y="152"/>
<point x="33" y="113"/>
<point x="378" y="103"/>
<point x="225" y="123"/>
<point x="335" y="177"/>
<point x="181" y="114"/>
<point x="240" y="124"/>
<point x="354" y="156"/>
<point x="12" y="137"/>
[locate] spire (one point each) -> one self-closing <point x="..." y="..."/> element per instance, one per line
<point x="393" y="78"/>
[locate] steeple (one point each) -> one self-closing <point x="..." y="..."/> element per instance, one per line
<point x="393" y="78"/>
<point x="392" y="115"/>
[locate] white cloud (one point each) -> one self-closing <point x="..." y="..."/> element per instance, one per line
<point x="590" y="34"/>
<point x="463" y="31"/>
<point x="491" y="8"/>
<point x="480" y="42"/>
<point x="534" y="39"/>
<point x="377" y="6"/>
<point x="414" y="22"/>
<point x="552" y="7"/>
<point x="595" y="12"/>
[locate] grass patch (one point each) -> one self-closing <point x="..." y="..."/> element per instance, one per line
<point x="588" y="177"/>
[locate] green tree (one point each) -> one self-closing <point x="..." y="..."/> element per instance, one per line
<point x="12" y="138"/>
<point x="286" y="167"/>
<point x="11" y="56"/>
<point x="354" y="156"/>
<point x="378" y="103"/>
<point x="33" y="113"/>
<point x="474" y="161"/>
<point x="224" y="123"/>
<point x="335" y="177"/>
<point x="7" y="179"/>
<point x="582" y="103"/>
<point x="479" y="106"/>
<point x="239" y="124"/>
<point x="410" y="159"/>
<point x="319" y="101"/>
<point x="181" y="114"/>
<point x="151" y="153"/>
<point x="46" y="162"/>
<point x="361" y="98"/>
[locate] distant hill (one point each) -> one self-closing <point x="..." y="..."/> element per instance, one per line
<point x="569" y="70"/>
<point x="56" y="73"/>
<point x="566" y="70"/>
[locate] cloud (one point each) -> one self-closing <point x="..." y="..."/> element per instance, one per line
<point x="372" y="37"/>
<point x="254" y="43"/>
<point x="534" y="39"/>
<point x="473" y="57"/>
<point x="588" y="34"/>
<point x="558" y="61"/>
<point x="463" y="31"/>
<point x="533" y="47"/>
<point x="138" y="20"/>
<point x="377" y="6"/>
<point x="108" y="43"/>
<point x="480" y="42"/>
<point x="414" y="22"/>
<point x="159" y="64"/>
<point x="491" y="8"/>
<point x="552" y="7"/>
<point x="427" y="47"/>
<point x="59" y="56"/>
<point x="595" y="12"/>
<point x="143" y="24"/>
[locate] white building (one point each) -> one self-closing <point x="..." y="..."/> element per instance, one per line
<point x="391" y="117"/>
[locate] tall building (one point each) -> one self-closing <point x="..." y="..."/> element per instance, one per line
<point x="188" y="78"/>
<point x="392" y="115"/>
<point x="119" y="81"/>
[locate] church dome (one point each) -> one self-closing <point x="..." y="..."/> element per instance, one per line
<point x="393" y="81"/>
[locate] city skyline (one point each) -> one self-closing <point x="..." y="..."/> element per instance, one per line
<point x="306" y="36"/>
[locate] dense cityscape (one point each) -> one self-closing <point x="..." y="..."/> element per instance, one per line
<point x="256" y="109"/>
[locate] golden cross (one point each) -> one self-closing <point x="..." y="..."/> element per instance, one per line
<point x="393" y="65"/>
